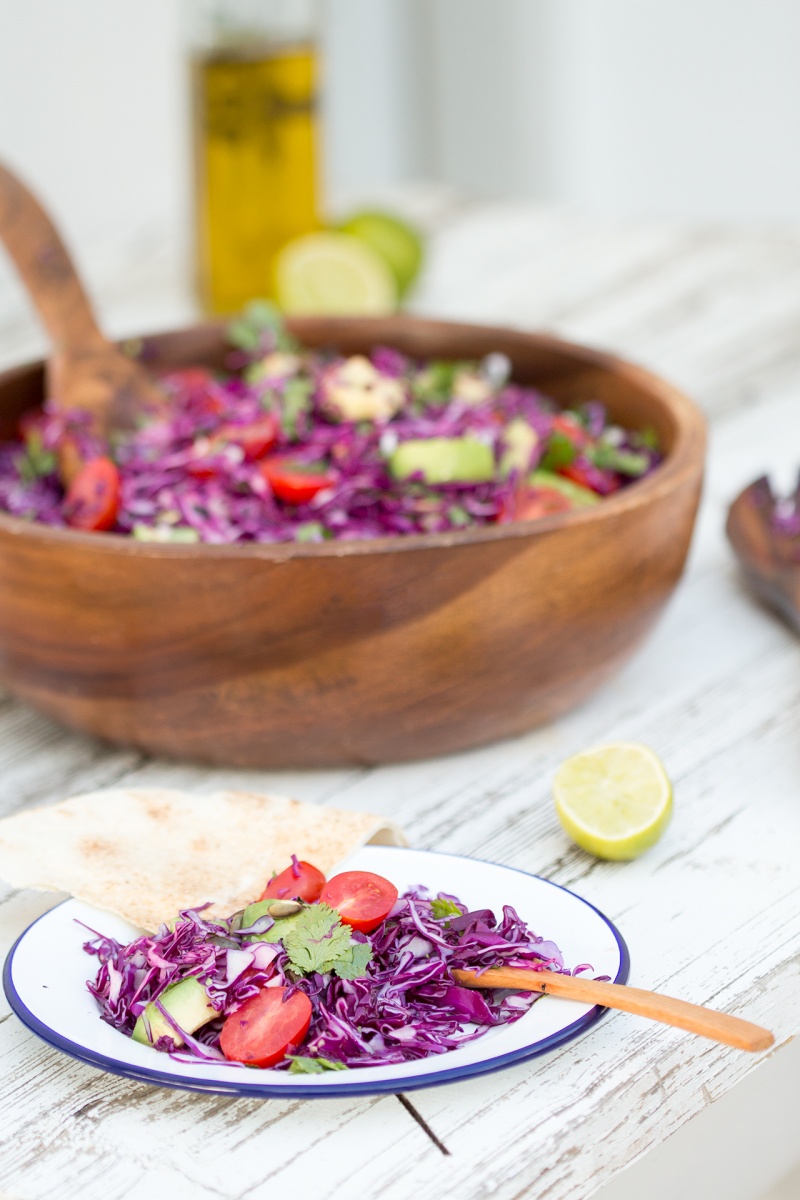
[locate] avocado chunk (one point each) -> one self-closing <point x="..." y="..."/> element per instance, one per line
<point x="579" y="496"/>
<point x="186" y="1002"/>
<point x="444" y="460"/>
<point x="262" y="908"/>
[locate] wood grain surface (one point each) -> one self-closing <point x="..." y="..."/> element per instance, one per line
<point x="259" y="655"/>
<point x="715" y="691"/>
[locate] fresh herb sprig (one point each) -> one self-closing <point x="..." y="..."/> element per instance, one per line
<point x="315" y="940"/>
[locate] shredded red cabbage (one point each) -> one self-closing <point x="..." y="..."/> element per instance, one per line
<point x="184" y="476"/>
<point x="407" y="1006"/>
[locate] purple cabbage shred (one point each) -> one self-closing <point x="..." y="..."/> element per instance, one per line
<point x="184" y="477"/>
<point x="406" y="1007"/>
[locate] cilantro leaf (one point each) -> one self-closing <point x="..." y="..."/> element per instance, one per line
<point x="646" y="437"/>
<point x="611" y="458"/>
<point x="441" y="907"/>
<point x="561" y="452"/>
<point x="260" y="322"/>
<point x="295" y="402"/>
<point x="435" y="384"/>
<point x="310" y="531"/>
<point x="35" y="462"/>
<point x="316" y="939"/>
<point x="313" y="1066"/>
<point x="458" y="515"/>
<point x="353" y="963"/>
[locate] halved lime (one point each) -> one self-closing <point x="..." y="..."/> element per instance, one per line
<point x="397" y="243"/>
<point x="332" y="274"/>
<point x="614" y="801"/>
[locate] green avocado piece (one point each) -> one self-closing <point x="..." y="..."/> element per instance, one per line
<point x="444" y="460"/>
<point x="165" y="533"/>
<point x="581" y="497"/>
<point x="261" y="909"/>
<point x="186" y="1002"/>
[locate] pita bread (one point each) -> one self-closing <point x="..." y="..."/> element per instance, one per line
<point x="147" y="853"/>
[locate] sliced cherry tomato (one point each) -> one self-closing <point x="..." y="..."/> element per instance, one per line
<point x="255" y="439"/>
<point x="591" y="478"/>
<point x="298" y="882"/>
<point x="571" y="429"/>
<point x="531" y="503"/>
<point x="362" y="899"/>
<point x="266" y="1027"/>
<point x="202" y="468"/>
<point x="93" y="496"/>
<point x="295" y="482"/>
<point x="541" y="502"/>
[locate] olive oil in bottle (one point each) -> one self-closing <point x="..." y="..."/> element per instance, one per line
<point x="255" y="146"/>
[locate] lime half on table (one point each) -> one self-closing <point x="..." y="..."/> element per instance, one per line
<point x="333" y="274"/>
<point x="614" y="801"/>
<point x="393" y="239"/>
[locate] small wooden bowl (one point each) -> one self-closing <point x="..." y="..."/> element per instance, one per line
<point x="770" y="560"/>
<point x="353" y="652"/>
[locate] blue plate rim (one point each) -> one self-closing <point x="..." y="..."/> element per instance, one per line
<point x="435" y="1079"/>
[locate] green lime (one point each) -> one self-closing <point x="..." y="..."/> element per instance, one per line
<point x="333" y="274"/>
<point x="398" y="244"/>
<point x="614" y="801"/>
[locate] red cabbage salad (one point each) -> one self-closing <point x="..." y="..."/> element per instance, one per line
<point x="293" y="445"/>
<point x="318" y="976"/>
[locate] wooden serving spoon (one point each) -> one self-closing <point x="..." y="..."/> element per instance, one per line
<point x="84" y="370"/>
<point x="720" y="1027"/>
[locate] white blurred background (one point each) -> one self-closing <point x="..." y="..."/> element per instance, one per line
<point x="619" y="107"/>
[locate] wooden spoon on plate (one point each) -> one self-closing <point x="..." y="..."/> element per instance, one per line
<point x="85" y="370"/>
<point x="720" y="1027"/>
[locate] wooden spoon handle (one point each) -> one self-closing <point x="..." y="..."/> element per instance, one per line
<point x="46" y="269"/>
<point x="720" y="1027"/>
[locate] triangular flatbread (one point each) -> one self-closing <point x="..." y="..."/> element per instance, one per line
<point x="147" y="853"/>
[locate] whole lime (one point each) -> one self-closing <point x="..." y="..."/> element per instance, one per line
<point x="397" y="243"/>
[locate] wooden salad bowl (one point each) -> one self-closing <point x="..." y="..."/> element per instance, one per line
<point x="309" y="655"/>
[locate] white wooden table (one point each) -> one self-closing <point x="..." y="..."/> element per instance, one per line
<point x="711" y="914"/>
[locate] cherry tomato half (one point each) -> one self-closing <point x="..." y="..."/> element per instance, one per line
<point x="593" y="479"/>
<point x="266" y="1027"/>
<point x="302" y="883"/>
<point x="362" y="899"/>
<point x="93" y="496"/>
<point x="531" y="503"/>
<point x="571" y="429"/>
<point x="541" y="502"/>
<point x="255" y="439"/>
<point x="295" y="482"/>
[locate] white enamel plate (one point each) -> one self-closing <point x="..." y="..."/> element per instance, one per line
<point x="46" y="971"/>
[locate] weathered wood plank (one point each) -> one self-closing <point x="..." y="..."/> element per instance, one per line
<point x="716" y="691"/>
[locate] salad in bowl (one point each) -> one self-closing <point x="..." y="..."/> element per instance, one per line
<point x="298" y="445"/>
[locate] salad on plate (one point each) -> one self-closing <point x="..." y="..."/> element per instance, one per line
<point x="297" y="445"/>
<point x="318" y="975"/>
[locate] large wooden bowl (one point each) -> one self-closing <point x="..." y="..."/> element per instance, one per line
<point x="357" y="652"/>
